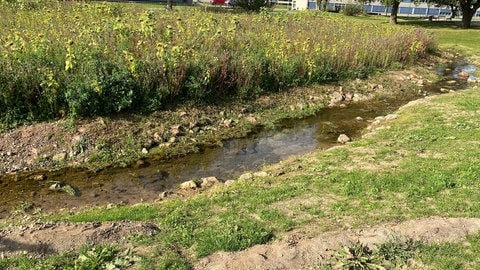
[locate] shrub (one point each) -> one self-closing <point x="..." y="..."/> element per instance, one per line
<point x="353" y="9"/>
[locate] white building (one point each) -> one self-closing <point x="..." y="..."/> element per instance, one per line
<point x="407" y="7"/>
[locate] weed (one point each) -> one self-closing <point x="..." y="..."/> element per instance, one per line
<point x="357" y="256"/>
<point x="113" y="63"/>
<point x="22" y="208"/>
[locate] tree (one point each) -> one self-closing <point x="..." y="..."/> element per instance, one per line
<point x="453" y="4"/>
<point x="468" y="8"/>
<point x="169" y="4"/>
<point x="395" y="6"/>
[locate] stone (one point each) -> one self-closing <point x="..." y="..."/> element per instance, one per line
<point x="165" y="194"/>
<point x="359" y="97"/>
<point x="157" y="137"/>
<point x="39" y="177"/>
<point x="336" y="98"/>
<point x="144" y="151"/>
<point x="188" y="185"/>
<point x="343" y="138"/>
<point x="358" y="118"/>
<point x="391" y="117"/>
<point x="139" y="164"/>
<point x="229" y="182"/>
<point x="192" y="125"/>
<point x="260" y="174"/>
<point x="55" y="186"/>
<point x="209" y="181"/>
<point x="60" y="157"/>
<point x="176" y="130"/>
<point x="245" y="176"/>
<point x="349" y="96"/>
<point x="228" y="122"/>
<point x="251" y="119"/>
<point x="463" y="75"/>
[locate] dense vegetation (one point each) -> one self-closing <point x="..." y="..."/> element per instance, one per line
<point x="85" y="59"/>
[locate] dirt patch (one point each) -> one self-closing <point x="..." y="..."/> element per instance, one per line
<point x="301" y="253"/>
<point x="51" y="238"/>
<point x="296" y="252"/>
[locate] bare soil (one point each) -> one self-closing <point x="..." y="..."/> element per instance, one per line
<point x="40" y="239"/>
<point x="309" y="253"/>
<point x="295" y="252"/>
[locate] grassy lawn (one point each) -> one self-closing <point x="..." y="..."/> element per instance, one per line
<point x="424" y="163"/>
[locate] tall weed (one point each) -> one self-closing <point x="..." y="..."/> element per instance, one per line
<point x="85" y="59"/>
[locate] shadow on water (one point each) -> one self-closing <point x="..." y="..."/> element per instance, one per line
<point x="293" y="137"/>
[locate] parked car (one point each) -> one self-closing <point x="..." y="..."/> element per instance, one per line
<point x="217" y="2"/>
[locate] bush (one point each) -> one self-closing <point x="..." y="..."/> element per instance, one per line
<point x="252" y="5"/>
<point x="353" y="9"/>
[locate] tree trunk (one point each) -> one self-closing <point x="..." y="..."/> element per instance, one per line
<point x="453" y="8"/>
<point x="169" y="4"/>
<point x="324" y="5"/>
<point x="394" y="14"/>
<point x="468" y="7"/>
<point x="467" y="16"/>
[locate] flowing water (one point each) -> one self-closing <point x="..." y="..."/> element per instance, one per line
<point x="131" y="185"/>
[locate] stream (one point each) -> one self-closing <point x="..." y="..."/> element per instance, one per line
<point x="145" y="183"/>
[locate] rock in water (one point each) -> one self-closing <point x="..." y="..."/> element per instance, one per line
<point x="188" y="185"/>
<point x="343" y="138"/>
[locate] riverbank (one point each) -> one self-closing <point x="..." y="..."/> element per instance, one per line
<point x="122" y="140"/>
<point x="418" y="168"/>
<point x="412" y="175"/>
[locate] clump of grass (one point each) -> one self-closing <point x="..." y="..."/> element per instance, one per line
<point x="86" y="59"/>
<point x="389" y="255"/>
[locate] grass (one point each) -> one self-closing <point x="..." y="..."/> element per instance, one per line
<point x="425" y="163"/>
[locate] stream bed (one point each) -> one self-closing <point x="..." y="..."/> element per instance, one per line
<point x="147" y="182"/>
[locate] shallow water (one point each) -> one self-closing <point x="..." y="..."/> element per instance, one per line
<point x="294" y="137"/>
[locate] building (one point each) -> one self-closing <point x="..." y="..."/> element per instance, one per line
<point x="407" y="8"/>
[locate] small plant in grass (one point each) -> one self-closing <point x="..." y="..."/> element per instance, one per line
<point x="357" y="256"/>
<point x="104" y="257"/>
<point x="394" y="253"/>
<point x="397" y="252"/>
<point x="23" y="208"/>
<point x="232" y="236"/>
